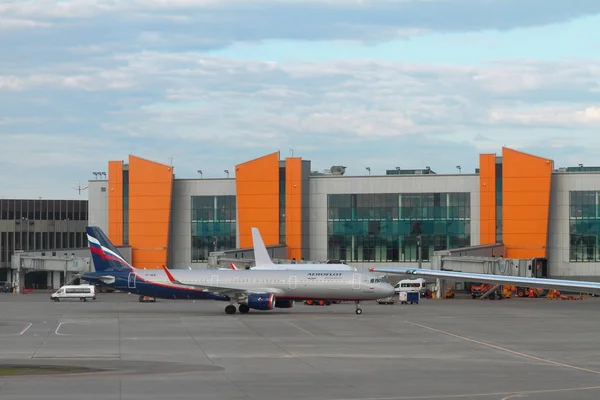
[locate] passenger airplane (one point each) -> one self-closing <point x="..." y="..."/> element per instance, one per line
<point x="544" y="283"/>
<point x="258" y="290"/>
<point x="263" y="262"/>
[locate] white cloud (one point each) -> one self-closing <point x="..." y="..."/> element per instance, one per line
<point x="551" y="117"/>
<point x="228" y="21"/>
<point x="10" y="83"/>
<point x="74" y="94"/>
<point x="16" y="23"/>
<point x="190" y="99"/>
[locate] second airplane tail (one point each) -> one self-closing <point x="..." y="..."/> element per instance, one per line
<point x="105" y="255"/>
<point x="261" y="256"/>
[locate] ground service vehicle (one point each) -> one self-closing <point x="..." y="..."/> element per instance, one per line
<point x="478" y="289"/>
<point x="524" y="292"/>
<point x="411" y="285"/>
<point x="81" y="292"/>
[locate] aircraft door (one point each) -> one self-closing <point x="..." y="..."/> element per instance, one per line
<point x="214" y="280"/>
<point x="356" y="281"/>
<point x="292" y="283"/>
<point x="131" y="281"/>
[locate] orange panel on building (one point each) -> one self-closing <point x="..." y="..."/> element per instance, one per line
<point x="257" y="188"/>
<point x="115" y="202"/>
<point x="150" y="192"/>
<point x="526" y="182"/>
<point x="293" y="207"/>
<point x="487" y="190"/>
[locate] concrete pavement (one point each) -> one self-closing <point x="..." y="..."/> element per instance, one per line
<point x="438" y="349"/>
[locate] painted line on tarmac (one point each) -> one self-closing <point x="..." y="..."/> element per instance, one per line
<point x="509" y="395"/>
<point x="58" y="327"/>
<point x="25" y="328"/>
<point x="505" y="350"/>
<point x="301" y="329"/>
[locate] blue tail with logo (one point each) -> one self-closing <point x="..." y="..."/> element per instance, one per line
<point x="105" y="255"/>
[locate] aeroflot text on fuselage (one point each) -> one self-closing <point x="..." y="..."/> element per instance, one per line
<point x="324" y="274"/>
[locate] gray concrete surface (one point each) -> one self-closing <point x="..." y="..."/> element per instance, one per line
<point x="438" y="349"/>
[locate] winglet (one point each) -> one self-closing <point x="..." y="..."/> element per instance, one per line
<point x="171" y="278"/>
<point x="233" y="266"/>
<point x="261" y="256"/>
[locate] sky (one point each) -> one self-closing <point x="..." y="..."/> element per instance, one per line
<point x="208" y="84"/>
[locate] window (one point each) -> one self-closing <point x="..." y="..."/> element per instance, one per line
<point x="213" y="225"/>
<point x="584" y="226"/>
<point x="383" y="227"/>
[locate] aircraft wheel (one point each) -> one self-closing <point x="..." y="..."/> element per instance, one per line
<point x="230" y="309"/>
<point x="358" y="311"/>
<point x="244" y="309"/>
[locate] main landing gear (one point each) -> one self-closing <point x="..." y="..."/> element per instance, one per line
<point x="244" y="309"/>
<point x="358" y="309"/>
<point x="230" y="309"/>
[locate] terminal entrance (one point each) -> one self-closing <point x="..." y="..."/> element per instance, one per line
<point x="36" y="280"/>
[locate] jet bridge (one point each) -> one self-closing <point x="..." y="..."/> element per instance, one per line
<point x="486" y="259"/>
<point x="58" y="265"/>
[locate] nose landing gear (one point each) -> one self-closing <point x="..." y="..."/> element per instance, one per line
<point x="358" y="309"/>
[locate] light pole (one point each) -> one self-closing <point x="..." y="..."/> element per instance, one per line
<point x="419" y="251"/>
<point x="66" y="269"/>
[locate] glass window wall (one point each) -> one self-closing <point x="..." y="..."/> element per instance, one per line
<point x="584" y="226"/>
<point x="213" y="225"/>
<point x="384" y="227"/>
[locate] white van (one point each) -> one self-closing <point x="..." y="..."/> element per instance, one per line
<point x="81" y="292"/>
<point x="411" y="285"/>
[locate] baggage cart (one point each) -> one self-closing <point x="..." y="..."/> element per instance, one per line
<point x="402" y="297"/>
<point x="413" y="297"/>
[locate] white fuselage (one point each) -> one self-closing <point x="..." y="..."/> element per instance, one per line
<point x="286" y="284"/>
<point x="303" y="267"/>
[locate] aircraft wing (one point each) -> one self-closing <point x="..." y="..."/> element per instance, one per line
<point x="545" y="283"/>
<point x="227" y="291"/>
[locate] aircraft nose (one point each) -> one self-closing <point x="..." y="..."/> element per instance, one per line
<point x="388" y="290"/>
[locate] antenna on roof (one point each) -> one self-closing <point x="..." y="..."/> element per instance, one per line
<point x="79" y="188"/>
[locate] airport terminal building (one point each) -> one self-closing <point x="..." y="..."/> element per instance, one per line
<point x="516" y="201"/>
<point x="43" y="237"/>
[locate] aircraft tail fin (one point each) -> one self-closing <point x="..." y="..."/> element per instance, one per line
<point x="261" y="256"/>
<point x="105" y="255"/>
<point x="232" y="265"/>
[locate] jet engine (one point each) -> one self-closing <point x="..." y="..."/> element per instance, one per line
<point x="261" y="301"/>
<point x="279" y="303"/>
